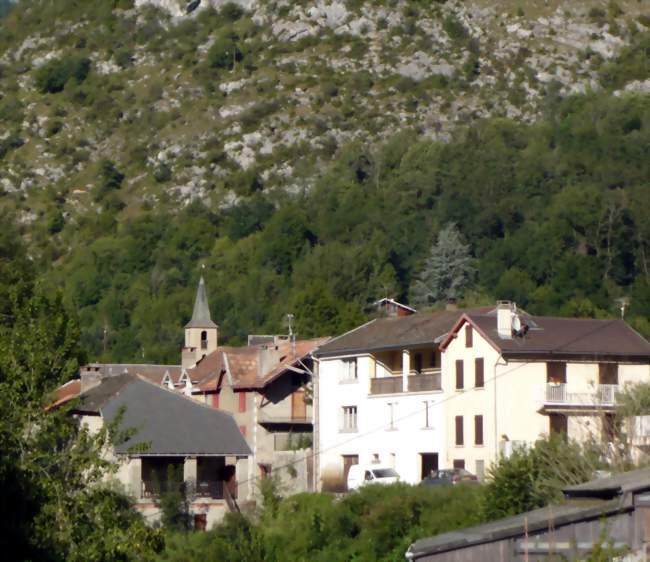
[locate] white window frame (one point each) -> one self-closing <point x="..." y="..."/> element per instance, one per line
<point x="349" y="419"/>
<point x="349" y="370"/>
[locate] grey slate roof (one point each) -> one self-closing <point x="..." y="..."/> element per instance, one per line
<point x="394" y="333"/>
<point x="171" y="424"/>
<point x="201" y="313"/>
<point x="566" y="337"/>
<point x="632" y="481"/>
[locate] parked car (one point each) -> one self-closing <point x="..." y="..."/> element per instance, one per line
<point x="362" y="475"/>
<point x="449" y="476"/>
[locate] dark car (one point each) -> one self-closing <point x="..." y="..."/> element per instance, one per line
<point x="449" y="476"/>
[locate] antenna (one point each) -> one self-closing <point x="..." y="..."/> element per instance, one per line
<point x="290" y="318"/>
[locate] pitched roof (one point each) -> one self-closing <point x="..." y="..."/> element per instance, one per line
<point x="394" y="333"/>
<point x="201" y="313"/>
<point x="169" y="423"/>
<point x="576" y="509"/>
<point x="154" y="373"/>
<point x="252" y="366"/>
<point x="65" y="393"/>
<point x="565" y="337"/>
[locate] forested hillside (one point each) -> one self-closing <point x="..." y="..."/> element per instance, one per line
<point x="312" y="173"/>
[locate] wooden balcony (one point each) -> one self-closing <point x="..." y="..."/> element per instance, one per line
<point x="424" y="383"/>
<point x="386" y="385"/>
<point x="430" y="381"/>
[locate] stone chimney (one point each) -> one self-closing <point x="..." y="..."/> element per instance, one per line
<point x="90" y="378"/>
<point x="504" y="319"/>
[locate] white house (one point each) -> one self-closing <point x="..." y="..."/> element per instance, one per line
<point x="510" y="378"/>
<point x="379" y="397"/>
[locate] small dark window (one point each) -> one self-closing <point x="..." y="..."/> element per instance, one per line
<point x="479" y="376"/>
<point x="459" y="430"/>
<point x="459" y="463"/>
<point x="478" y="430"/>
<point x="460" y="384"/>
<point x="607" y="373"/>
<point x="432" y="360"/>
<point x="468" y="336"/>
<point x="556" y="372"/>
<point x="204" y="339"/>
<point x="418" y="363"/>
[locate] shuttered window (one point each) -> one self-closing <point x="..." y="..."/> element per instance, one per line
<point x="459" y="375"/>
<point x="468" y="336"/>
<point x="478" y="430"/>
<point x="459" y="430"/>
<point x="479" y="376"/>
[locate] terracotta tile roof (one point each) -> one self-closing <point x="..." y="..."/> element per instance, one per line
<point x="252" y="366"/>
<point x="65" y="393"/>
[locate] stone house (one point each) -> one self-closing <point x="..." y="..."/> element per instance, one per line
<point x="171" y="431"/>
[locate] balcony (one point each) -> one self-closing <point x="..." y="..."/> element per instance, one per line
<point x="564" y="395"/>
<point x="203" y="489"/>
<point x="386" y="385"/>
<point x="429" y="381"/>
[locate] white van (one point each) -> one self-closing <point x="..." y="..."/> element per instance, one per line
<point x="360" y="475"/>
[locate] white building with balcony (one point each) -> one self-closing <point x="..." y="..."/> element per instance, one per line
<point x="510" y="378"/>
<point x="379" y="398"/>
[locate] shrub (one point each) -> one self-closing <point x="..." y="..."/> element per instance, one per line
<point x="454" y="28"/>
<point x="53" y="75"/>
<point x="224" y="53"/>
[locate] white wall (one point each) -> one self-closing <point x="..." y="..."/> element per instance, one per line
<point x="400" y="445"/>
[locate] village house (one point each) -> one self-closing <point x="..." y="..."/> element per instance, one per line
<point x="510" y="378"/>
<point x="174" y="436"/>
<point x="380" y="397"/>
<point x="264" y="385"/>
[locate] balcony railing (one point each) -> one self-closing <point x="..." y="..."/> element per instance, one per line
<point x="203" y="489"/>
<point x="416" y="383"/>
<point x="566" y="395"/>
<point x="422" y="383"/>
<point x="386" y="385"/>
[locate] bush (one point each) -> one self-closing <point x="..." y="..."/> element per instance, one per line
<point x="53" y="75"/>
<point x="224" y="53"/>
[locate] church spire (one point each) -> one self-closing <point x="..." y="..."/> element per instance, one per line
<point x="201" y="313"/>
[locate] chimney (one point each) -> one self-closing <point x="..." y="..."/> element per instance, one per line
<point x="451" y="304"/>
<point x="504" y="319"/>
<point x="89" y="379"/>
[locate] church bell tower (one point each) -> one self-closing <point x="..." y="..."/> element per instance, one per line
<point x="200" y="331"/>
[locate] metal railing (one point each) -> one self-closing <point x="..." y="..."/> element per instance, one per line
<point x="203" y="488"/>
<point x="416" y="383"/>
<point x="563" y="394"/>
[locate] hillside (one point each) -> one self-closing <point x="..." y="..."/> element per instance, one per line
<point x="309" y="153"/>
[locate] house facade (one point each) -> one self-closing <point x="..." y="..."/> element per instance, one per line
<point x="176" y="442"/>
<point x="380" y="398"/>
<point x="510" y="378"/>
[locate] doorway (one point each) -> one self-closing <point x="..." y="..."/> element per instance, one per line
<point x="428" y="464"/>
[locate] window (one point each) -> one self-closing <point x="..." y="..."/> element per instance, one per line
<point x="459" y="463"/>
<point x="558" y="424"/>
<point x="468" y="336"/>
<point x="433" y="360"/>
<point x="375" y="458"/>
<point x="349" y="370"/>
<point x="607" y="373"/>
<point x="479" y="376"/>
<point x="459" y="375"/>
<point x="556" y="372"/>
<point x="459" y="431"/>
<point x="427" y="413"/>
<point x="349" y="418"/>
<point x="204" y="340"/>
<point x="242" y="401"/>
<point x="391" y="416"/>
<point x="478" y="430"/>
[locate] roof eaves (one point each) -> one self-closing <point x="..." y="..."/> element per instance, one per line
<point x="333" y="340"/>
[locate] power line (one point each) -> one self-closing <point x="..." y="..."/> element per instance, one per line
<point x="356" y="436"/>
